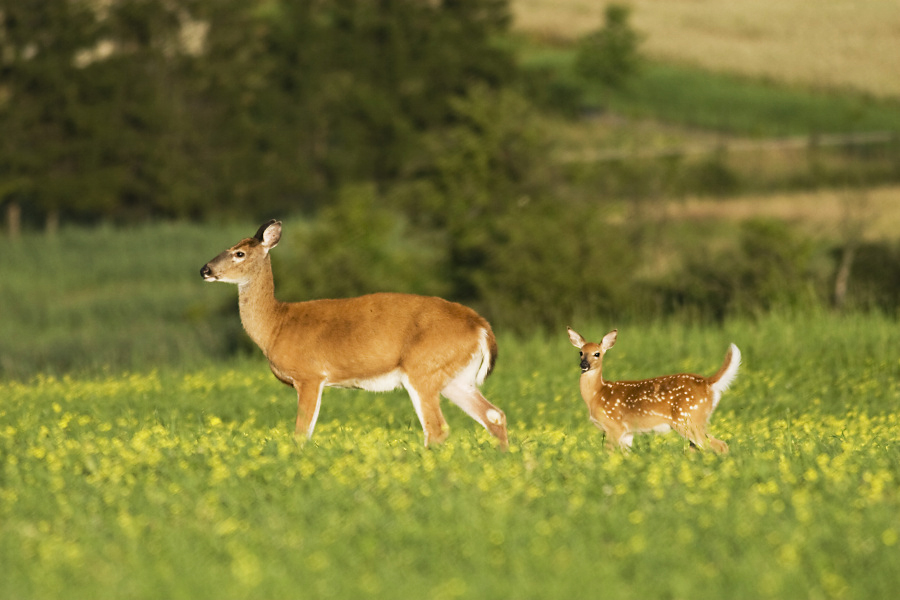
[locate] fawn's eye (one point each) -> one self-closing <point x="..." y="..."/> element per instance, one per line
<point x="596" y="355"/>
<point x="239" y="254"/>
<point x="580" y="353"/>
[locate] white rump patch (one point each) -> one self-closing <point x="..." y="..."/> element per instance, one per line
<point x="485" y="365"/>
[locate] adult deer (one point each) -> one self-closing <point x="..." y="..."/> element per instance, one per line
<point x="682" y="402"/>
<point x="376" y="342"/>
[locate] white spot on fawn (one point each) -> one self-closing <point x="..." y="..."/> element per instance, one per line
<point x="493" y="416"/>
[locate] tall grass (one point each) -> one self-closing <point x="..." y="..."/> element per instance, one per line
<point x="188" y="484"/>
<point x="88" y="299"/>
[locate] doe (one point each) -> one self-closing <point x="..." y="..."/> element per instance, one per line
<point x="682" y="402"/>
<point x="377" y="342"/>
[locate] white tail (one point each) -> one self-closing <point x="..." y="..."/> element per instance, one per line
<point x="378" y="342"/>
<point x="682" y="402"/>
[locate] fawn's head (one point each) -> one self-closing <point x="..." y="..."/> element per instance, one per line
<point x="242" y="261"/>
<point x="591" y="353"/>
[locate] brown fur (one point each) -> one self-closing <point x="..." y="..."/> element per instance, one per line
<point x="378" y="342"/>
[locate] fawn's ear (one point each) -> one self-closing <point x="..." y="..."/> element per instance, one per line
<point x="576" y="339"/>
<point x="609" y="340"/>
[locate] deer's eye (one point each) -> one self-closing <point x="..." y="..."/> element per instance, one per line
<point x="580" y="353"/>
<point x="239" y="254"/>
<point x="596" y="355"/>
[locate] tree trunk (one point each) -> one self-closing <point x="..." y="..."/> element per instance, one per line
<point x="13" y="220"/>
<point x="843" y="276"/>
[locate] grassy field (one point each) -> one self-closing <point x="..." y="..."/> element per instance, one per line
<point x="163" y="465"/>
<point x="101" y="296"/>
<point x="873" y="214"/>
<point x="187" y="483"/>
<point x="835" y="45"/>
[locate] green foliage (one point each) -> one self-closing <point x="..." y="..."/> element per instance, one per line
<point x="769" y="267"/>
<point x="874" y="271"/>
<point x="545" y="268"/>
<point x="91" y="129"/>
<point x="610" y="56"/>
<point x="146" y="108"/>
<point x="357" y="246"/>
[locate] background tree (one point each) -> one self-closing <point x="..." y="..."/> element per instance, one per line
<point x="611" y="54"/>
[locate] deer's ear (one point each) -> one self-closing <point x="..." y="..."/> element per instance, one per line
<point x="609" y="340"/>
<point x="576" y="339"/>
<point x="269" y="234"/>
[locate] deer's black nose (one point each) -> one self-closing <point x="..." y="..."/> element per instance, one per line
<point x="205" y="271"/>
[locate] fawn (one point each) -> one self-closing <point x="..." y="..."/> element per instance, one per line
<point x="683" y="402"/>
<point x="379" y="342"/>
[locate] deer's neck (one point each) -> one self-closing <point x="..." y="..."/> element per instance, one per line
<point x="260" y="311"/>
<point x="591" y="384"/>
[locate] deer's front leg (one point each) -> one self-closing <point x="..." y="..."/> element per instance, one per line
<point x="309" y="399"/>
<point x="617" y="436"/>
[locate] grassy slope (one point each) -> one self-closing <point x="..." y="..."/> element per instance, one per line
<point x="726" y="103"/>
<point x="835" y="45"/>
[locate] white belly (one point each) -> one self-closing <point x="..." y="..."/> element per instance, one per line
<point x="655" y="429"/>
<point x="380" y="383"/>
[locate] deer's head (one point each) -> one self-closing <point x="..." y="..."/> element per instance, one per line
<point x="242" y="261"/>
<point x="590" y="352"/>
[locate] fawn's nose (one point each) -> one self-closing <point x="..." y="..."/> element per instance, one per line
<point x="205" y="272"/>
<point x="584" y="365"/>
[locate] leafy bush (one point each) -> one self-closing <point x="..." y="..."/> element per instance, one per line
<point x="355" y="247"/>
<point x="769" y="266"/>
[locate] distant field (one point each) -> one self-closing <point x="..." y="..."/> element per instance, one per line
<point x="825" y="214"/>
<point x="836" y="44"/>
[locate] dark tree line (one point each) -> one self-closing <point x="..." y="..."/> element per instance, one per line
<point x="139" y="108"/>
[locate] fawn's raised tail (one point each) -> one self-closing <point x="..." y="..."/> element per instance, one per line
<point x="726" y="374"/>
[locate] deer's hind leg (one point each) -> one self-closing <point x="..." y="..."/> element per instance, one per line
<point x="699" y="439"/>
<point x="427" y="402"/>
<point x="467" y="396"/>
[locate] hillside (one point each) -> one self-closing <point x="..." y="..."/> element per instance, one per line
<point x="835" y="45"/>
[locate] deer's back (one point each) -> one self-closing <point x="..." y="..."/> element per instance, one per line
<point x="668" y="390"/>
<point x="370" y="335"/>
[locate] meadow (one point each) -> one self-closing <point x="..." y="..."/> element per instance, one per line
<point x="187" y="482"/>
<point x="835" y="45"/>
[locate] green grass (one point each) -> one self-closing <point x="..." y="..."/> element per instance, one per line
<point x="745" y="106"/>
<point x="89" y="299"/>
<point x="722" y="102"/>
<point x="186" y="483"/>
